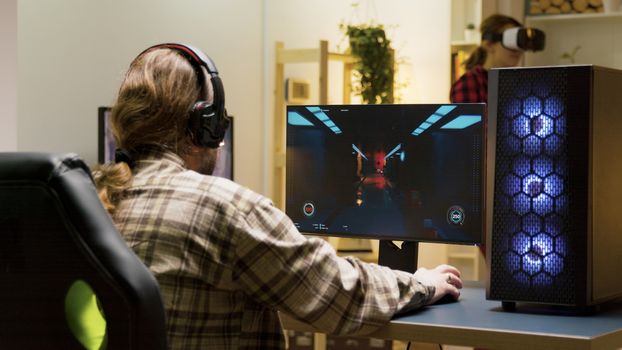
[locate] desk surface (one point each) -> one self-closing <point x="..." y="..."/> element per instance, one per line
<point x="475" y="321"/>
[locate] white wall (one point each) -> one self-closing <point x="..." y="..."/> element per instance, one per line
<point x="73" y="53"/>
<point x="599" y="39"/>
<point x="8" y="75"/>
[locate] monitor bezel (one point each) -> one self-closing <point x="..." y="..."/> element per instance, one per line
<point x="102" y="112"/>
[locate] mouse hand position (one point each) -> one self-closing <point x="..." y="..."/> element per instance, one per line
<point x="445" y="279"/>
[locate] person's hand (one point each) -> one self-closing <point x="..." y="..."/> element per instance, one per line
<point x="445" y="279"/>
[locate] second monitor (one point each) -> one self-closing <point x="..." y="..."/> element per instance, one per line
<point x="391" y="172"/>
<point x="107" y="145"/>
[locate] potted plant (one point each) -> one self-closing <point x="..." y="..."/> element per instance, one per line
<point x="570" y="56"/>
<point x="470" y="33"/>
<point x="374" y="69"/>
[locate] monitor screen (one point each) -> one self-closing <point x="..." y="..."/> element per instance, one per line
<point x="399" y="172"/>
<point x="107" y="145"/>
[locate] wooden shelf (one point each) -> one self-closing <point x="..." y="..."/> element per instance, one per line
<point x="573" y="17"/>
<point x="462" y="43"/>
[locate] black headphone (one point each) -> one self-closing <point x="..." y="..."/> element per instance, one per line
<point x="208" y="121"/>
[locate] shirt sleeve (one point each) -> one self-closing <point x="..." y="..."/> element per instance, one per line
<point x="304" y="277"/>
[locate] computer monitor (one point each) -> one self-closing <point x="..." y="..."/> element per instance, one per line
<point x="107" y="145"/>
<point x="412" y="172"/>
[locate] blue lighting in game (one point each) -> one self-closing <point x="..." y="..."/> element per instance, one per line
<point x="433" y="118"/>
<point x="397" y="148"/>
<point x="294" y="118"/>
<point x="535" y="130"/>
<point x="319" y="114"/>
<point x="463" y="121"/>
<point x="417" y="131"/>
<point x="357" y="150"/>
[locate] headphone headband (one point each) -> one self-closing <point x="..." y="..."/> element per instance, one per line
<point x="208" y="121"/>
<point x="195" y="55"/>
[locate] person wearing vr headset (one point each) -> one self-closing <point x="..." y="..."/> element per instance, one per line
<point x="226" y="259"/>
<point x="504" y="40"/>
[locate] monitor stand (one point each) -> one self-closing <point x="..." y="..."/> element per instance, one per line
<point x="404" y="258"/>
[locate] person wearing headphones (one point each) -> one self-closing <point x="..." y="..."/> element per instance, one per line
<point x="504" y="41"/>
<point x="226" y="259"/>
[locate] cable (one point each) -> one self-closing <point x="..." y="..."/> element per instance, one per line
<point x="408" y="346"/>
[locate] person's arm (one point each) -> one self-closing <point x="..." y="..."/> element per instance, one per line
<point x="304" y="277"/>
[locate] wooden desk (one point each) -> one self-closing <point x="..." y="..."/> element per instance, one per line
<point x="475" y="321"/>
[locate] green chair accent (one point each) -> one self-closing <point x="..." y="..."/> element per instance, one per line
<point x="84" y="316"/>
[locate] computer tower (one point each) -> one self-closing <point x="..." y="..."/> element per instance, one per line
<point x="555" y="138"/>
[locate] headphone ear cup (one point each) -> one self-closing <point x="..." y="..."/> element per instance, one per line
<point x="208" y="126"/>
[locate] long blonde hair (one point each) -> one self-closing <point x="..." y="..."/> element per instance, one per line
<point x="492" y="24"/>
<point x="152" y="109"/>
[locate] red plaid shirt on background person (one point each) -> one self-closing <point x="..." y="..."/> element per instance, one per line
<point x="471" y="87"/>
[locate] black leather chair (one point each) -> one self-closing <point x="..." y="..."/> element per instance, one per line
<point x="54" y="232"/>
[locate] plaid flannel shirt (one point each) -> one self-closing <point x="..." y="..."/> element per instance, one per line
<point x="227" y="260"/>
<point x="471" y="87"/>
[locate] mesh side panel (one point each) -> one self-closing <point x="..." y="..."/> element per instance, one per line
<point x="477" y="174"/>
<point x="539" y="210"/>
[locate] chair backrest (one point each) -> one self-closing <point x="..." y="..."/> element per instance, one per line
<point x="55" y="234"/>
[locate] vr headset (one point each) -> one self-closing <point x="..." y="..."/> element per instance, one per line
<point x="518" y="38"/>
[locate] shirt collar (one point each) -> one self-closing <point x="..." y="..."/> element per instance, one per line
<point x="152" y="155"/>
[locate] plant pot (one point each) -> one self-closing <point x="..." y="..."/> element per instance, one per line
<point x="471" y="36"/>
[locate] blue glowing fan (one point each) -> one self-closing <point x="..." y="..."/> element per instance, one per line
<point x="534" y="187"/>
<point x="533" y="226"/>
